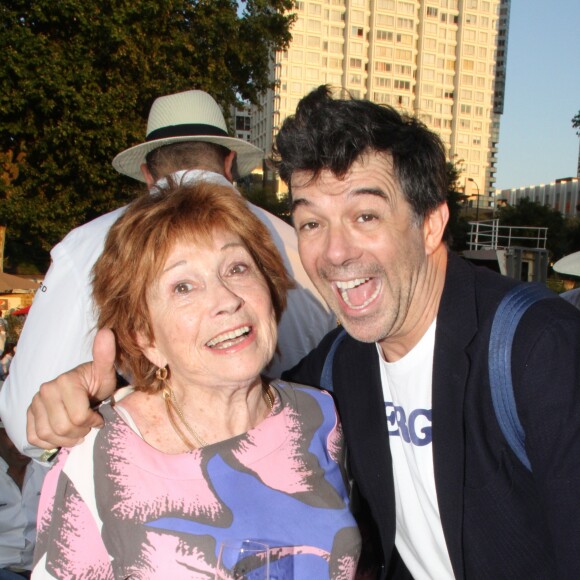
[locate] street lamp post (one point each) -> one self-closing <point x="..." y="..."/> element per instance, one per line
<point x="477" y="199"/>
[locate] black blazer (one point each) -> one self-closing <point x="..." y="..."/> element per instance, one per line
<point x="499" y="520"/>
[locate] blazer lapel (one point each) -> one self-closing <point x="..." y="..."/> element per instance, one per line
<point x="456" y="327"/>
<point x="361" y="406"/>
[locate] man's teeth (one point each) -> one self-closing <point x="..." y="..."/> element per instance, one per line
<point x="228" y="337"/>
<point x="351" y="283"/>
<point x="344" y="286"/>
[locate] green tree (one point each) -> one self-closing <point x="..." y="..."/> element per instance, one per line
<point x="576" y="123"/>
<point x="528" y="213"/>
<point x="457" y="227"/>
<point x="77" y="79"/>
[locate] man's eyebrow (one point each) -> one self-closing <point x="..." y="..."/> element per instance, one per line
<point x="299" y="202"/>
<point x="376" y="191"/>
<point x="369" y="191"/>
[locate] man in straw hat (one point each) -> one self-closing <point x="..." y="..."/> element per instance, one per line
<point x="187" y="138"/>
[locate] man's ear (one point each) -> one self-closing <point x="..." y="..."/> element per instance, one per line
<point x="151" y="352"/>
<point x="149" y="179"/>
<point x="434" y="227"/>
<point x="229" y="167"/>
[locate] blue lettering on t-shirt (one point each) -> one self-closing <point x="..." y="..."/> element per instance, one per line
<point x="416" y="429"/>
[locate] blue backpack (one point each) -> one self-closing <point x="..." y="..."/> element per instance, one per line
<point x="505" y="322"/>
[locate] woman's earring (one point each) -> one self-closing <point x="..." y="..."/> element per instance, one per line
<point x="161" y="374"/>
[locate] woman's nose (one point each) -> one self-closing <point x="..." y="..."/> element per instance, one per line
<point x="225" y="299"/>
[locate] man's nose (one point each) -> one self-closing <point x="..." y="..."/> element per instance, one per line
<point x="340" y="246"/>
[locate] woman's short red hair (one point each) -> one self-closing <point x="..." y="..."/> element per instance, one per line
<point x="137" y="247"/>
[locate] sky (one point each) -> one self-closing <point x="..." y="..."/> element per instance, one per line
<point x="537" y="143"/>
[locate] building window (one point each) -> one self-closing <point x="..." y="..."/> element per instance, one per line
<point x="405" y="55"/>
<point x="383" y="66"/>
<point x="314" y="9"/>
<point x="405" y="23"/>
<point x="314" y="26"/>
<point x="386" y="4"/>
<point x="355" y="63"/>
<point x="403" y="69"/>
<point x="406" y="39"/>
<point x="384" y="35"/>
<point x="405" y="8"/>
<point x="431" y="11"/>
<point x="431" y="28"/>
<point x="243" y="123"/>
<point x="383" y="52"/>
<point x="382" y="98"/>
<point x="405" y="85"/>
<point x="312" y="74"/>
<point x="357" y="16"/>
<point x="313" y="42"/>
<point x="428" y="59"/>
<point x="384" y="20"/>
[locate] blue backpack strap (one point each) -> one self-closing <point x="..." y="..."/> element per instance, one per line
<point x="326" y="377"/>
<point x="505" y="323"/>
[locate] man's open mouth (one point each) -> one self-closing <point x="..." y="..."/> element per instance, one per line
<point x="358" y="292"/>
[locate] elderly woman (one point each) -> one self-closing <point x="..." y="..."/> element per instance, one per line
<point x="201" y="448"/>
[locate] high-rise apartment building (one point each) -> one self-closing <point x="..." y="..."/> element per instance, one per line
<point x="443" y="60"/>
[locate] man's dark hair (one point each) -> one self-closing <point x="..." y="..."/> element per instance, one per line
<point x="331" y="134"/>
<point x="184" y="155"/>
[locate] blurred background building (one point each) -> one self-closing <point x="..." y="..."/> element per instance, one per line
<point x="444" y="60"/>
<point x="562" y="195"/>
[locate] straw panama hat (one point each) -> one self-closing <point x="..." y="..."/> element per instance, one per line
<point x="187" y="116"/>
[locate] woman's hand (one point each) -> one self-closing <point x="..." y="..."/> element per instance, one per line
<point x="61" y="413"/>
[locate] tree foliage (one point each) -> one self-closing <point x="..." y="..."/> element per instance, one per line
<point x="458" y="226"/>
<point x="77" y="80"/>
<point x="576" y="123"/>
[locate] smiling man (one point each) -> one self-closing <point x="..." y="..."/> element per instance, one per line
<point x="368" y="189"/>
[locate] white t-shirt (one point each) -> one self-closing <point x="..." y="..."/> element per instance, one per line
<point x="407" y="388"/>
<point x="60" y="327"/>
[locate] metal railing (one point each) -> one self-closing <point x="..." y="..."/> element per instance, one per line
<point x="489" y="235"/>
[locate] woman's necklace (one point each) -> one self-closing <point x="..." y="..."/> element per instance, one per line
<point x="173" y="407"/>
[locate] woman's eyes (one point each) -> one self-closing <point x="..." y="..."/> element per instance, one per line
<point x="183" y="288"/>
<point x="236" y="269"/>
<point x="239" y="268"/>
